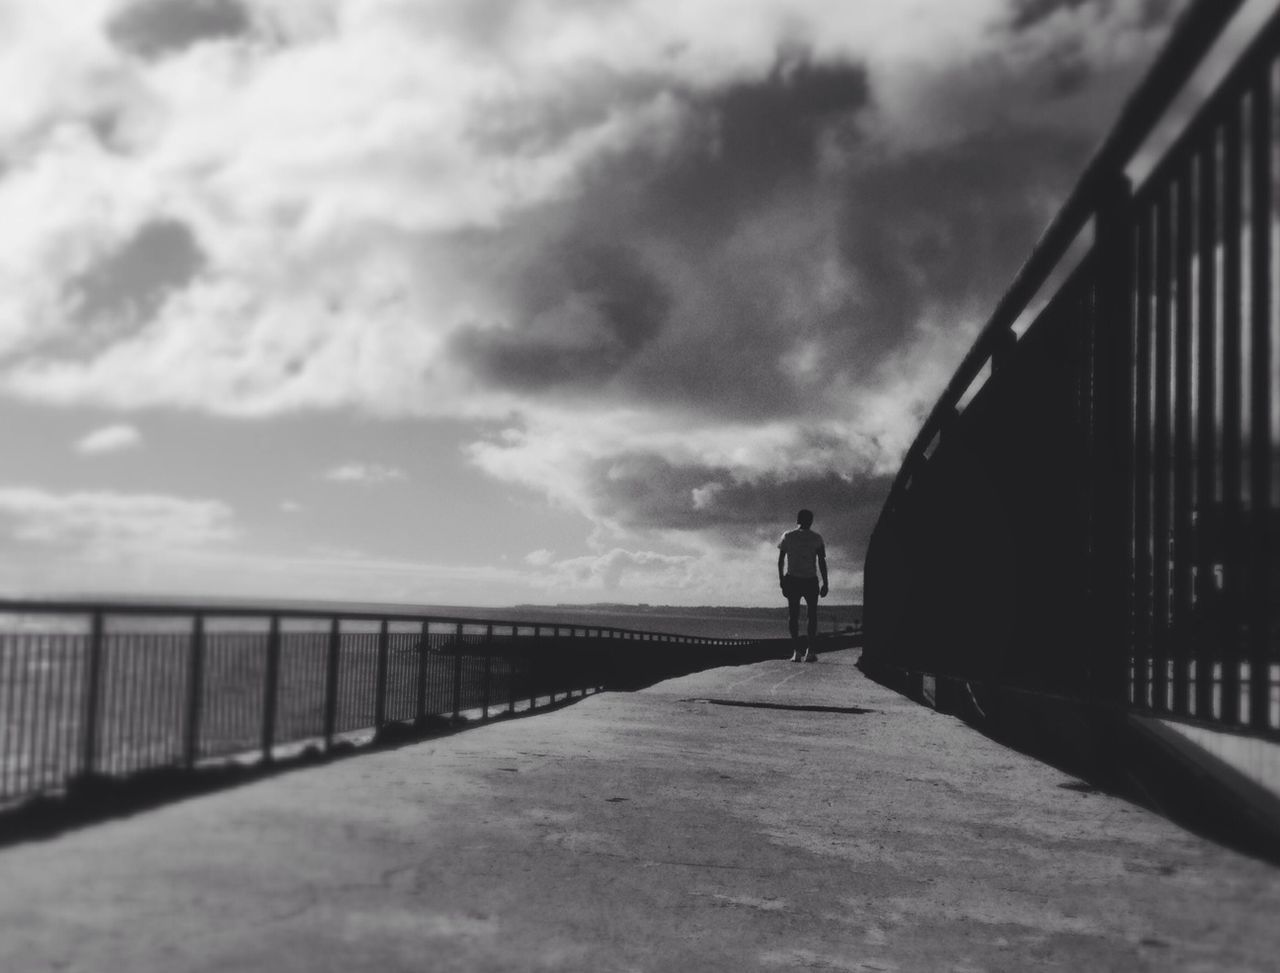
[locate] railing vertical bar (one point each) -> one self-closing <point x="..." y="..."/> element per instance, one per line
<point x="380" y="676"/>
<point x="115" y="711"/>
<point x="61" y="712"/>
<point x="92" y="697"/>
<point x="331" y="681"/>
<point x="1232" y="289"/>
<point x="512" y="670"/>
<point x="48" y="724"/>
<point x="1142" y="471"/>
<point x="24" y="717"/>
<point x="1207" y="601"/>
<point x="1182" y="559"/>
<point x="150" y="693"/>
<point x="319" y="670"/>
<point x="142" y="676"/>
<point x="557" y="650"/>
<point x="535" y="667"/>
<point x="369" y="677"/>
<point x="177" y="696"/>
<point x="45" y="668"/>
<point x="24" y="705"/>
<point x="155" y="698"/>
<point x="108" y="704"/>
<point x="195" y="692"/>
<point x="135" y="704"/>
<point x="1260" y="199"/>
<point x="1113" y="423"/>
<point x="9" y="675"/>
<point x="1161" y="478"/>
<point x="71" y="666"/>
<point x="209" y="705"/>
<point x="13" y="726"/>
<point x="270" y="688"/>
<point x="420" y="706"/>
<point x="457" y="672"/>
<point x="488" y="666"/>
<point x="164" y="701"/>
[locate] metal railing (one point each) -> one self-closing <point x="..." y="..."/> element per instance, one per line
<point x="94" y="690"/>
<point x="1099" y="520"/>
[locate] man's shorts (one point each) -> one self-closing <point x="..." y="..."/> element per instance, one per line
<point x="797" y="588"/>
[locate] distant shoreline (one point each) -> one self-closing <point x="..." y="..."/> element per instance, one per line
<point x="721" y="621"/>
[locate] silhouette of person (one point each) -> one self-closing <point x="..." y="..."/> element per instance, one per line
<point x="803" y="555"/>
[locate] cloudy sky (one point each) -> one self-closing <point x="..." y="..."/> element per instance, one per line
<point x="495" y="301"/>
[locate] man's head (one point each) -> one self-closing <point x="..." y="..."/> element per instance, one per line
<point x="805" y="519"/>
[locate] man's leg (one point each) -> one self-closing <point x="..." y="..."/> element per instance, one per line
<point x="793" y="617"/>
<point x="811" y="602"/>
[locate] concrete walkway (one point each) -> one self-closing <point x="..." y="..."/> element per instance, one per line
<point x="659" y="830"/>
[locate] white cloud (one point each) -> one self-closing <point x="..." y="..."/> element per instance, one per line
<point x="105" y="524"/>
<point x="711" y="576"/>
<point x="371" y="473"/>
<point x="290" y="507"/>
<point x="109" y="439"/>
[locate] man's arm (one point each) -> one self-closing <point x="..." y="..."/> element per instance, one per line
<point x="782" y="560"/>
<point x="822" y="569"/>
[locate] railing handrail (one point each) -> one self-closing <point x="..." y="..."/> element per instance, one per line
<point x="1197" y="30"/>
<point x="310" y="611"/>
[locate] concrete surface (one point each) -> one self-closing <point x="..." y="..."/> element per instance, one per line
<point x="652" y="831"/>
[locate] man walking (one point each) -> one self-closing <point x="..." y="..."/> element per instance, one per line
<point x="801" y="557"/>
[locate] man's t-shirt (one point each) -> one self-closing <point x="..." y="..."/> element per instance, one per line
<point x="802" y="548"/>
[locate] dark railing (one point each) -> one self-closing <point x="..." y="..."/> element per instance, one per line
<point x="1091" y="510"/>
<point x="109" y="690"/>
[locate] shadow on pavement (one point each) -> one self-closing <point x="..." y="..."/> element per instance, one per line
<point x="793" y="707"/>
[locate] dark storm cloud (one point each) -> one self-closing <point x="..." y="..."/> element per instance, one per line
<point x="745" y="148"/>
<point x="590" y="309"/>
<point x="646" y="491"/>
<point x="1030" y="13"/>
<point x="155" y="28"/>
<point x="735" y="217"/>
<point x="946" y="229"/>
<point x="132" y="282"/>
<point x="748" y="143"/>
<point x="930" y="234"/>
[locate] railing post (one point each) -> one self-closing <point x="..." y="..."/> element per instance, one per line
<point x="92" y="696"/>
<point x="533" y="668"/>
<point x="555" y="653"/>
<point x="511" y="676"/>
<point x="488" y="666"/>
<point x="331" y="684"/>
<point x="1207" y="433"/>
<point x="421" y="704"/>
<point x="380" y="678"/>
<point x="457" y="672"/>
<point x="195" y="695"/>
<point x="1113" y="425"/>
<point x="1261" y="447"/>
<point x="270" y="689"/>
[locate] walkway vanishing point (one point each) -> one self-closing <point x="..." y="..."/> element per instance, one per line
<point x="761" y="817"/>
